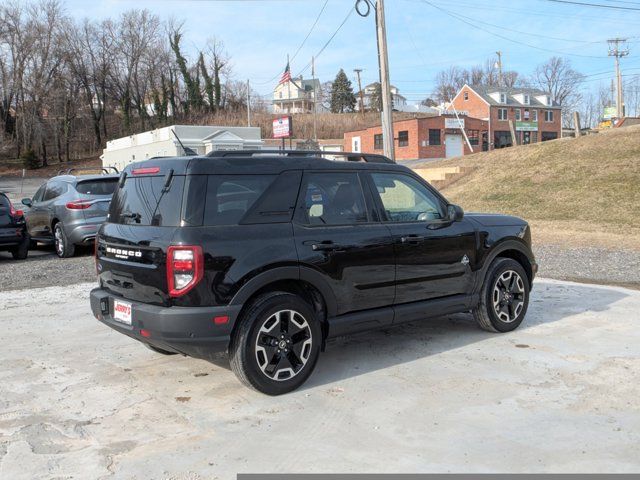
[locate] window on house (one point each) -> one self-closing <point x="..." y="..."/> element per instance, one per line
<point x="534" y="115"/>
<point x="377" y="142"/>
<point x="518" y="115"/>
<point x="502" y="114"/>
<point x="403" y="138"/>
<point x="466" y="96"/>
<point x="527" y="114"/>
<point x="548" y="115"/>
<point x="503" y="98"/>
<point x="434" y="137"/>
<point x="474" y="137"/>
<point x="527" y="99"/>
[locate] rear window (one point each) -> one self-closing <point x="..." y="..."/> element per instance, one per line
<point x="229" y="197"/>
<point x="144" y="201"/>
<point x="103" y="186"/>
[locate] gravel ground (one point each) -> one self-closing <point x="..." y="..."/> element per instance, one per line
<point x="584" y="264"/>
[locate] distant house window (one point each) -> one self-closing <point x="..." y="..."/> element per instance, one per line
<point x="527" y="100"/>
<point x="502" y="114"/>
<point x="280" y="93"/>
<point x="377" y="142"/>
<point x="518" y="114"/>
<point x="474" y="137"/>
<point x="548" y="116"/>
<point x="503" y="98"/>
<point x="548" y="99"/>
<point x="534" y="115"/>
<point x="403" y="138"/>
<point x="434" y="136"/>
<point x="466" y="96"/>
<point x="527" y="114"/>
<point x="546" y="136"/>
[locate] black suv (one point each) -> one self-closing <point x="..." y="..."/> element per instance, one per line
<point x="268" y="255"/>
<point x="13" y="230"/>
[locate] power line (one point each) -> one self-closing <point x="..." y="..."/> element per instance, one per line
<point x="598" y="5"/>
<point x="469" y="21"/>
<point x="302" y="44"/>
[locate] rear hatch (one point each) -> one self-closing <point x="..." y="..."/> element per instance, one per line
<point x="132" y="245"/>
<point x="8" y="225"/>
<point x="94" y="197"/>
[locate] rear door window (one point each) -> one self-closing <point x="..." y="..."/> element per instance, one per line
<point x="333" y="198"/>
<point x="54" y="190"/>
<point x="102" y="186"/>
<point x="144" y="201"/>
<point x="229" y="197"/>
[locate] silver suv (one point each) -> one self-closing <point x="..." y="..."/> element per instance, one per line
<point x="68" y="209"/>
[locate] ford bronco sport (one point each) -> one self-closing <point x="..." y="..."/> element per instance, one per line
<point x="266" y="256"/>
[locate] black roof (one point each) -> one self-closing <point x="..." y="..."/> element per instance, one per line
<point x="263" y="162"/>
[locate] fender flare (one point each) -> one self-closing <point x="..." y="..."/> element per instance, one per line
<point x="495" y="251"/>
<point x="292" y="273"/>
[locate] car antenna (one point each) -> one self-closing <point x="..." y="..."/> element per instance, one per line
<point x="187" y="151"/>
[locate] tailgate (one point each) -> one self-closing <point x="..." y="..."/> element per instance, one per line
<point x="131" y="261"/>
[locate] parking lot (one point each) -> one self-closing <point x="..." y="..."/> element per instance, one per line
<point x="78" y="400"/>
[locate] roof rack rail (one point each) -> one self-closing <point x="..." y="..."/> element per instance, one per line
<point x="349" y="156"/>
<point x="105" y="170"/>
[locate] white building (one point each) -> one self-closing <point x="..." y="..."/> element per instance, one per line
<point x="399" y="102"/>
<point x="163" y="143"/>
<point x="297" y="96"/>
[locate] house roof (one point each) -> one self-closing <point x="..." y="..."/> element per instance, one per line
<point x="485" y="92"/>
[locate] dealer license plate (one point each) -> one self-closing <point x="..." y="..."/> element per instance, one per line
<point x="122" y="312"/>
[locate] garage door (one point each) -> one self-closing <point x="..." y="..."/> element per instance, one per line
<point x="453" y="145"/>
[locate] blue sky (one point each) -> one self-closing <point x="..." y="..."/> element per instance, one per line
<point x="423" y="37"/>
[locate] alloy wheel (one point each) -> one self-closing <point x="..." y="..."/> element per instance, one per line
<point x="508" y="296"/>
<point x="283" y="346"/>
<point x="59" y="240"/>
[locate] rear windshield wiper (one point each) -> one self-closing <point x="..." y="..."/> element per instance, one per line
<point x="136" y="217"/>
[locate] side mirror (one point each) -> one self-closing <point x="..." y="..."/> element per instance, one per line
<point x="455" y="213"/>
<point x="27" y="202"/>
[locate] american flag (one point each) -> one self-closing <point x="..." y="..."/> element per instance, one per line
<point x="286" y="76"/>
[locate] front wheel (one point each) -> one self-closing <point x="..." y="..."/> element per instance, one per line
<point x="64" y="248"/>
<point x="277" y="343"/>
<point x="504" y="297"/>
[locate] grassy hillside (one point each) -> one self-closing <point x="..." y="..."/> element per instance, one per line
<point x="588" y="184"/>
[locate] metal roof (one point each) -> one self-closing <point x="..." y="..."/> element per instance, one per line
<point x="485" y="92"/>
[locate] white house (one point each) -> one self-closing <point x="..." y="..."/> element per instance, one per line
<point x="297" y="96"/>
<point x="399" y="102"/>
<point x="162" y="142"/>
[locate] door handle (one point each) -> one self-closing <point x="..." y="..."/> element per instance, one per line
<point x="412" y="239"/>
<point x="327" y="247"/>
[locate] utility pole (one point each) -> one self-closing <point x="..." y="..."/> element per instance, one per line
<point x="313" y="82"/>
<point x="358" y="72"/>
<point x="387" y="101"/>
<point x="499" y="65"/>
<point x="618" y="53"/>
<point x="248" y="104"/>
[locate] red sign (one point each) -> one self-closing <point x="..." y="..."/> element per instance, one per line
<point x="282" y="127"/>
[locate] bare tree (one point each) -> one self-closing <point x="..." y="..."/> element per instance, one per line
<point x="557" y="77"/>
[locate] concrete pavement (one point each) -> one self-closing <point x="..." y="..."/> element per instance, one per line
<point x="561" y="394"/>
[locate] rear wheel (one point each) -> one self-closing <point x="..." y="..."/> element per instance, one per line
<point x="64" y="248"/>
<point x="504" y="297"/>
<point x="22" y="251"/>
<point x="277" y="343"/>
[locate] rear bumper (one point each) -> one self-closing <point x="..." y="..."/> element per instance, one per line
<point x="187" y="330"/>
<point x="82" y="232"/>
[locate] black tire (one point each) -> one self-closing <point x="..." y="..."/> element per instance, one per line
<point x="22" y="251"/>
<point x="502" y="308"/>
<point x="276" y="344"/>
<point x="159" y="350"/>
<point x="64" y="248"/>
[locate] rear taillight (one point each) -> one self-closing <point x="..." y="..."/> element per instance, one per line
<point x="95" y="254"/>
<point x="15" y="213"/>
<point x="185" y="268"/>
<point x="79" y="204"/>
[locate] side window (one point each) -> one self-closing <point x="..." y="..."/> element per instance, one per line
<point x="333" y="199"/>
<point x="405" y="199"/>
<point x="39" y="194"/>
<point x="54" y="190"/>
<point x="229" y="197"/>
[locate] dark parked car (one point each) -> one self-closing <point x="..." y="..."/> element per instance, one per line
<point x="266" y="256"/>
<point x="68" y="209"/>
<point x="13" y="231"/>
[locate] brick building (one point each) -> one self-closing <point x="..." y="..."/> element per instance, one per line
<point x="435" y="136"/>
<point x="536" y="117"/>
